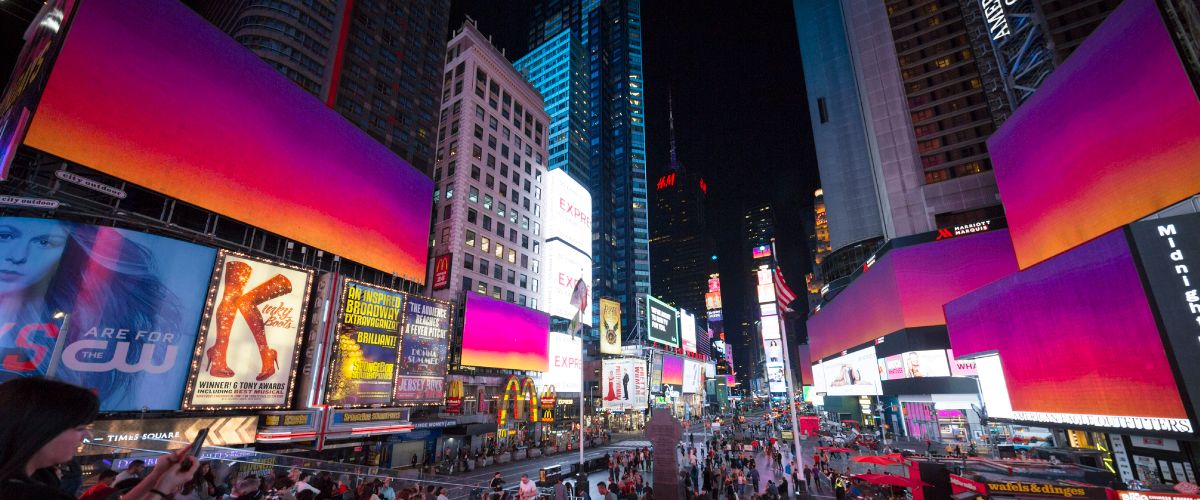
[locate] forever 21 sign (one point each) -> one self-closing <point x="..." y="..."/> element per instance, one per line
<point x="1169" y="255"/>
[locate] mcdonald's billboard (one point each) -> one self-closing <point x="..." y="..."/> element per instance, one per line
<point x="441" y="271"/>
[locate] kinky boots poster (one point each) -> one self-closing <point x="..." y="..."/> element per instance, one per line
<point x="249" y="335"/>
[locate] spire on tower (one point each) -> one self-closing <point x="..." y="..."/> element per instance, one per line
<point x="674" y="165"/>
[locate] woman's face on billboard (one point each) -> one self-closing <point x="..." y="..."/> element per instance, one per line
<point x="29" y="251"/>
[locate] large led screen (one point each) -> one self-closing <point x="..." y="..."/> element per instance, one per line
<point x="854" y="374"/>
<point x="907" y="287"/>
<point x="1077" y="341"/>
<point x="672" y="373"/>
<point x="568" y="211"/>
<point x="498" y="334"/>
<point x="663" y="322"/>
<point x="250" y="335"/>
<point x="566" y="365"/>
<point x="566" y="266"/>
<point x="1111" y="136"/>
<point x="624" y="384"/>
<point x="171" y="109"/>
<point x="687" y="331"/>
<point x="1169" y="250"/>
<point x="693" y="376"/>
<point x="364" y="353"/>
<point x="422" y="367"/>
<point x="131" y="305"/>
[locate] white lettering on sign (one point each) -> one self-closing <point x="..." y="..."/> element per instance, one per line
<point x="1191" y="295"/>
<point x="576" y="213"/>
<point x="993" y="13"/>
<point x="1179" y="425"/>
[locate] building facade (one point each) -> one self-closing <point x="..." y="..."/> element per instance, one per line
<point x="610" y="33"/>
<point x="488" y="178"/>
<point x="377" y="63"/>
<point x="558" y="69"/>
<point x="819" y="247"/>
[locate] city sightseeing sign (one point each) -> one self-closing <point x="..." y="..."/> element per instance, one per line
<point x="997" y="20"/>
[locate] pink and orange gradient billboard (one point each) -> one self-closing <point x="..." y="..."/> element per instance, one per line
<point x="672" y="372"/>
<point x="498" y="334"/>
<point x="147" y="91"/>
<point x="907" y="287"/>
<point x="1075" y="335"/>
<point x="1111" y="136"/>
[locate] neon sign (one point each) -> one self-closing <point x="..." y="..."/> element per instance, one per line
<point x="666" y="181"/>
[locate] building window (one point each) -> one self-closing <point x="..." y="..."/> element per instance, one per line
<point x="476" y="152"/>
<point x="487" y="223"/>
<point x="487" y="202"/>
<point x="469" y="262"/>
<point x="446" y="212"/>
<point x="499" y="251"/>
<point x="497" y="271"/>
<point x="535" y="269"/>
<point x="495" y="292"/>
<point x="524" y="282"/>
<point x="485" y="243"/>
<point x="449" y="190"/>
<point x="822" y="110"/>
<point x="511" y="296"/>
<point x="475" y="172"/>
<point x="466" y="283"/>
<point x="512" y="256"/>
<point x="481" y="287"/>
<point x="511" y="277"/>
<point x="533" y="284"/>
<point x="472" y="215"/>
<point x="473" y="194"/>
<point x="483" y="267"/>
<point x="470" y="238"/>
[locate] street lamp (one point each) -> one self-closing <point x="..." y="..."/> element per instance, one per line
<point x="59" y="340"/>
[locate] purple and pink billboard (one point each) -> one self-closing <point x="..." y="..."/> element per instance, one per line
<point x="1077" y="340"/>
<point x="169" y="109"/>
<point x="1110" y="137"/>
<point x="907" y="287"/>
<point x="498" y="334"/>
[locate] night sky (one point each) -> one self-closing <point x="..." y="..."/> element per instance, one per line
<point x="740" y="113"/>
<point x="741" y="117"/>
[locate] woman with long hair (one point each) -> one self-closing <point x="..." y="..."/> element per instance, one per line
<point x="42" y="423"/>
<point x="203" y="485"/>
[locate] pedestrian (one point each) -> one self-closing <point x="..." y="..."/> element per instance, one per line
<point x="496" y="483"/>
<point x="784" y="492"/>
<point x="42" y="423"/>
<point x="103" y="487"/>
<point x="527" y="490"/>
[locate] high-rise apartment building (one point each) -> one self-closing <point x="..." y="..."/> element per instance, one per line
<point x="558" y="69"/>
<point x="377" y="63"/>
<point x="488" y="178"/>
<point x="683" y="249"/>
<point x="610" y="32"/>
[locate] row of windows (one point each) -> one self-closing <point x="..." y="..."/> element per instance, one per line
<point x="481" y="287"/>
<point x="255" y="42"/>
<point x="279" y="26"/>
<point x="321" y="28"/>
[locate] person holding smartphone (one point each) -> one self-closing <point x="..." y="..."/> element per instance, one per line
<point x="43" y="422"/>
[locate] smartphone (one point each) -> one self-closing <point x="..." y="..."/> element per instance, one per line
<point x="197" y="445"/>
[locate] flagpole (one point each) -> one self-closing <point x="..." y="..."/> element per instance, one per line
<point x="787" y="364"/>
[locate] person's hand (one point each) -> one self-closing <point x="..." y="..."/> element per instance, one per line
<point x="180" y="470"/>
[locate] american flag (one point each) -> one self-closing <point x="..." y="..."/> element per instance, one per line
<point x="783" y="293"/>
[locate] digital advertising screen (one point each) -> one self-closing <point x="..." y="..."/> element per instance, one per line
<point x="1169" y="249"/>
<point x="672" y="373"/>
<point x="1071" y="354"/>
<point x="691" y="376"/>
<point x="250" y="335"/>
<point x="364" y="353"/>
<point x="907" y="287"/>
<point x="422" y="365"/>
<point x="130" y="303"/>
<point x="43" y="39"/>
<point x="566" y="266"/>
<point x="663" y="322"/>
<point x="264" y="148"/>
<point x="566" y="364"/>
<point x="854" y="374"/>
<point x="770" y="328"/>
<point x="687" y="331"/>
<point x="773" y="350"/>
<point x="656" y="364"/>
<point x="610" y="326"/>
<point x="915" y="364"/>
<point x="498" y="334"/>
<point x="776" y="378"/>
<point x="1131" y="133"/>
<point x="624" y="384"/>
<point x="568" y="211"/>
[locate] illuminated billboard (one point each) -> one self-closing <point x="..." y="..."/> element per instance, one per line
<point x="907" y="287"/>
<point x="566" y="266"/>
<point x="568" y="213"/>
<point x="610" y="326"/>
<point x="672" y="374"/>
<point x="625" y="384"/>
<point x="1127" y="147"/>
<point x="170" y="108"/>
<point x="761" y="251"/>
<point x="498" y="334"/>
<point x="766" y="293"/>
<point x="915" y="364"/>
<point x="364" y="352"/>
<point x="421" y="372"/>
<point x="1076" y="338"/>
<point x="566" y="365"/>
<point x="712" y="300"/>
<point x="692" y="381"/>
<point x="770" y="327"/>
<point x="776" y="378"/>
<point x="43" y="40"/>
<point x="250" y="335"/>
<point x="687" y="331"/>
<point x="663" y="322"/>
<point x="132" y="304"/>
<point x="773" y="351"/>
<point x="441" y="271"/>
<point x="852" y="374"/>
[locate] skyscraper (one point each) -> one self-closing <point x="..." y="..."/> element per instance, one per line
<point x="679" y="239"/>
<point x="819" y="247"/>
<point x="558" y="69"/>
<point x="904" y="94"/>
<point x="489" y="178"/>
<point x="377" y="63"/>
<point x="610" y="32"/>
